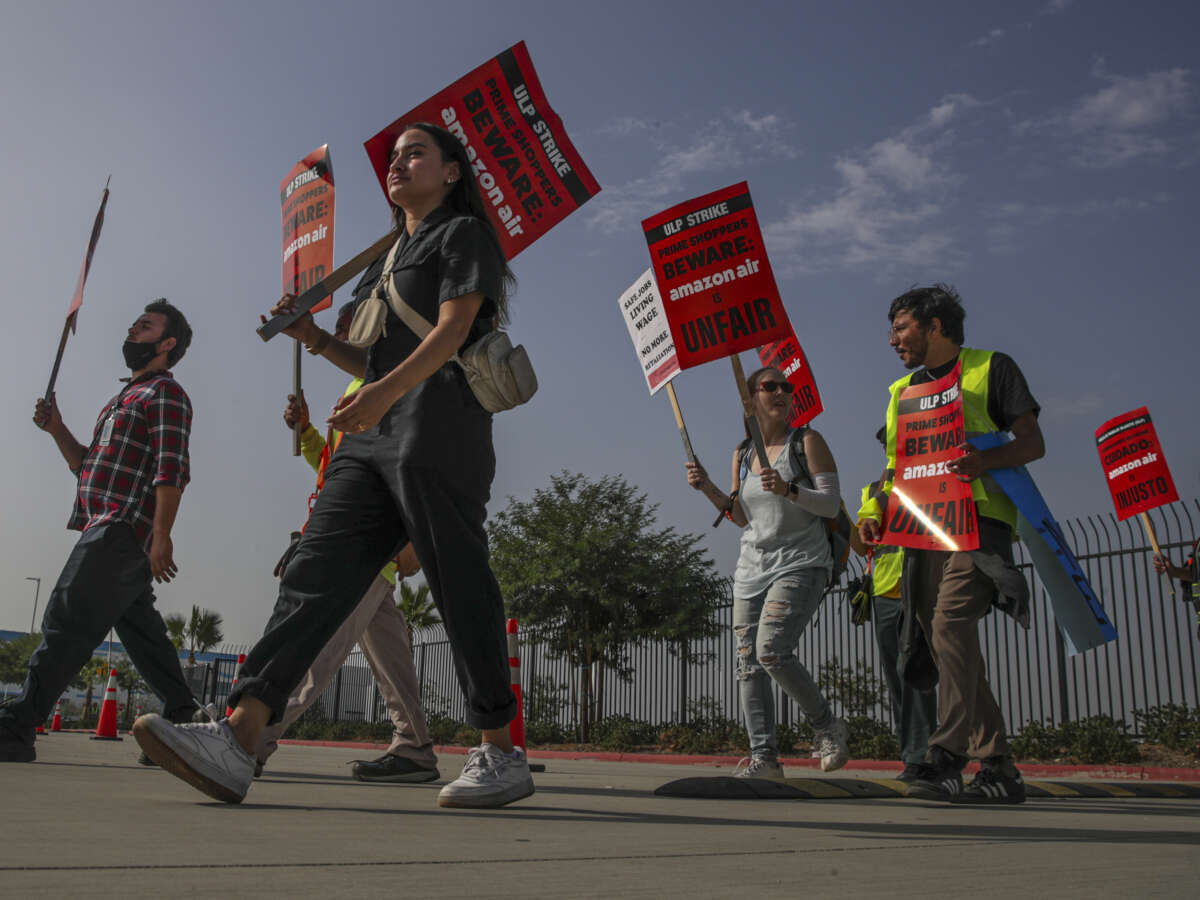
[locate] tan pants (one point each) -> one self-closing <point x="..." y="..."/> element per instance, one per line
<point x="951" y="596"/>
<point x="380" y="628"/>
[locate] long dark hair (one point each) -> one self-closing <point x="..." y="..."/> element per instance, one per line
<point x="464" y="198"/>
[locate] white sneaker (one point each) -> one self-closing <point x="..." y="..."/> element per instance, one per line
<point x="490" y="777"/>
<point x="207" y="756"/>
<point x="753" y="767"/>
<point x="832" y="746"/>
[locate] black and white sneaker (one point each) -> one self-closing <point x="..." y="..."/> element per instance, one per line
<point x="912" y="771"/>
<point x="936" y="784"/>
<point x="940" y="778"/>
<point x="992" y="785"/>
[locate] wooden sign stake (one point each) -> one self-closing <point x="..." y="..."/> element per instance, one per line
<point x="325" y="287"/>
<point x="296" y="389"/>
<point x="748" y="409"/>
<point x="1149" y="526"/>
<point x="683" y="433"/>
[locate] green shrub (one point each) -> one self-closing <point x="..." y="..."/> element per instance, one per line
<point x="311" y="726"/>
<point x="442" y="729"/>
<point x="1175" y="727"/>
<point x="465" y="736"/>
<point x="869" y="739"/>
<point x="541" y="731"/>
<point x="623" y="733"/>
<point x="708" y="731"/>
<point x="1037" y="740"/>
<point x="1095" y="740"/>
<point x="1099" y="739"/>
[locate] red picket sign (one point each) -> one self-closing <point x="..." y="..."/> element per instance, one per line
<point x="713" y="272"/>
<point x="788" y="357"/>
<point x="529" y="173"/>
<point x="306" y="205"/>
<point x="929" y="508"/>
<point x="1134" y="467"/>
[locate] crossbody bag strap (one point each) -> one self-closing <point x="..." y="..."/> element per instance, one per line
<point x="417" y="323"/>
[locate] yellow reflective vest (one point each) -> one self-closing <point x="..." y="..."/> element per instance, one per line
<point x="888" y="564"/>
<point x="990" y="501"/>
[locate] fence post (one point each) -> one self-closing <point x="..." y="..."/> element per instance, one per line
<point x="337" y="694"/>
<point x="530" y="711"/>
<point x="1060" y="670"/>
<point x="683" y="682"/>
<point x="421" y="672"/>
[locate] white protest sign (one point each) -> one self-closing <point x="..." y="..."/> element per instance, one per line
<point x="646" y="319"/>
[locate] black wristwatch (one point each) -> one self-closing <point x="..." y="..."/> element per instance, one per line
<point x="793" y="490"/>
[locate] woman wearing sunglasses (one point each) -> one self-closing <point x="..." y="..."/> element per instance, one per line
<point x="782" y="570"/>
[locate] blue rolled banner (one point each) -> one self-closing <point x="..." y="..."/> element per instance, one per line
<point x="1081" y="618"/>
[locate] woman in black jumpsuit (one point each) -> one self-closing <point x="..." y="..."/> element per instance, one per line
<point x="416" y="463"/>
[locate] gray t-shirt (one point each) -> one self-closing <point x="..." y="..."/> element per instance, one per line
<point x="779" y="538"/>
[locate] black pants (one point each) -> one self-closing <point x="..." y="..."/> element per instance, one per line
<point x="915" y="711"/>
<point x="371" y="506"/>
<point x="105" y="582"/>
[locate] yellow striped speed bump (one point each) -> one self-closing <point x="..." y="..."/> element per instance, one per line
<point x="724" y="787"/>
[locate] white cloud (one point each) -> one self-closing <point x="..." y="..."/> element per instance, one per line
<point x="990" y="38"/>
<point x="627" y="126"/>
<point x="1015" y="224"/>
<point x="1130" y="119"/>
<point x="1055" y="7"/>
<point x="1130" y="104"/>
<point x="887" y="208"/>
<point x="728" y="142"/>
<point x="1113" y="123"/>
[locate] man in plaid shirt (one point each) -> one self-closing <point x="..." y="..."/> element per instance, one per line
<point x="131" y="477"/>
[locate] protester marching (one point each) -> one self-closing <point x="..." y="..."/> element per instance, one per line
<point x="472" y="177"/>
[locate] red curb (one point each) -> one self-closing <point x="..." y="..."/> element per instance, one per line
<point x="1033" y="770"/>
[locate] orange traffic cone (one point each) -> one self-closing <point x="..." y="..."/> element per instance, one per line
<point x="516" y="728"/>
<point x="106" y="728"/>
<point x="135" y="718"/>
<point x="237" y="673"/>
<point x="41" y="729"/>
<point x="56" y="722"/>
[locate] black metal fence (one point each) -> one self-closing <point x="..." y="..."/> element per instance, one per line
<point x="1153" y="661"/>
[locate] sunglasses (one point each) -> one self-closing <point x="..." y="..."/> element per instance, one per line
<point x="771" y="387"/>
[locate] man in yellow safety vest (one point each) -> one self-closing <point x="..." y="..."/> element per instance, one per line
<point x="951" y="591"/>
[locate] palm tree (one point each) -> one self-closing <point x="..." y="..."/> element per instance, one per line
<point x="203" y="630"/>
<point x="176" y="624"/>
<point x="95" y="669"/>
<point x="417" y="607"/>
<point x="129" y="678"/>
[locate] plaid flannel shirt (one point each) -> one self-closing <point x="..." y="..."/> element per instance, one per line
<point x="140" y="442"/>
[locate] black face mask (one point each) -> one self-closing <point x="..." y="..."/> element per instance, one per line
<point x="138" y="356"/>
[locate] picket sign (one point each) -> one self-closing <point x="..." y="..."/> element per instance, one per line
<point x="529" y="174"/>
<point x="306" y="204"/>
<point x="1136" y="470"/>
<point x="1077" y="610"/>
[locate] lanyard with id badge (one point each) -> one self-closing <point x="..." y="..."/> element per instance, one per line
<point x="110" y="421"/>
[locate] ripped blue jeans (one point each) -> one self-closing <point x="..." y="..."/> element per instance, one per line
<point x="768" y="627"/>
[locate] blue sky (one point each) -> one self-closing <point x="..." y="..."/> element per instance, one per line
<point x="1041" y="156"/>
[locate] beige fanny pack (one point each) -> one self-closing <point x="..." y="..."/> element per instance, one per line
<point x="500" y="375"/>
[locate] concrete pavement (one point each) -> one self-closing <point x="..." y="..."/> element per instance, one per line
<point x="87" y="819"/>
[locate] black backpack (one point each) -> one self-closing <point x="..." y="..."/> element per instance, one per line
<point x="837" y="528"/>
